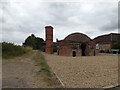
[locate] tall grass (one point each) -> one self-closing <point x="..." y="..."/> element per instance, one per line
<point x="0" y="50"/>
<point x="10" y="50"/>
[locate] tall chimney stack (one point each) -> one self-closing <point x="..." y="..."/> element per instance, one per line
<point x="49" y="39"/>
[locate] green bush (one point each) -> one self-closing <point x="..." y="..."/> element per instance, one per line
<point x="10" y="50"/>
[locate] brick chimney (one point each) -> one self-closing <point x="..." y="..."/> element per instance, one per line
<point x="49" y="39"/>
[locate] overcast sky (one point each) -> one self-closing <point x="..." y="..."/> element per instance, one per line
<point x="26" y="17"/>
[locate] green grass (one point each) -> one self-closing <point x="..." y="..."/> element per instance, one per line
<point x="40" y="61"/>
<point x="10" y="50"/>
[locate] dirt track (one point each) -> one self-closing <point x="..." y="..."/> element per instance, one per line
<point x="21" y="73"/>
<point x="85" y="72"/>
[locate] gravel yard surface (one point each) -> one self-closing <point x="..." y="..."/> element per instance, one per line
<point x="85" y="71"/>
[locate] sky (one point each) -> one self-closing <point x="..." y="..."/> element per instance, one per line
<point x="21" y="18"/>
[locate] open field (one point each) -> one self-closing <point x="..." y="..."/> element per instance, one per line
<point x="86" y="71"/>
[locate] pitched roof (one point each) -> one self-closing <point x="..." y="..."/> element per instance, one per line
<point x="112" y="37"/>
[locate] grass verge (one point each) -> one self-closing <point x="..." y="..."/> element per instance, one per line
<point x="45" y="71"/>
<point x="40" y="61"/>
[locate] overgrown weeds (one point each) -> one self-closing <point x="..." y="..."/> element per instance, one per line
<point x="10" y="50"/>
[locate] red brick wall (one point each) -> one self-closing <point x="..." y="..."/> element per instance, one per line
<point x="65" y="49"/>
<point x="49" y="39"/>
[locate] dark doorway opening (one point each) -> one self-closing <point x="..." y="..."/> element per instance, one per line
<point x="58" y="52"/>
<point x="74" y="53"/>
<point x="94" y="52"/>
<point x="83" y="48"/>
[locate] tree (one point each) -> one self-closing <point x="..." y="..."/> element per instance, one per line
<point x="116" y="45"/>
<point x="39" y="43"/>
<point x="34" y="42"/>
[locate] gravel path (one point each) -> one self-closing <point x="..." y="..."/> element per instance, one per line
<point x="85" y="72"/>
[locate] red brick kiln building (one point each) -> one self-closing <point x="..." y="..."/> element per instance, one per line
<point x="75" y="44"/>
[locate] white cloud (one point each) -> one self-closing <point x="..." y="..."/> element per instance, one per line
<point x="23" y="18"/>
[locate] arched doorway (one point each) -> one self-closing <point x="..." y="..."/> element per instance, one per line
<point x="83" y="48"/>
<point x="74" y="53"/>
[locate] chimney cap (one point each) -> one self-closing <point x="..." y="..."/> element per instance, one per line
<point x="48" y="27"/>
